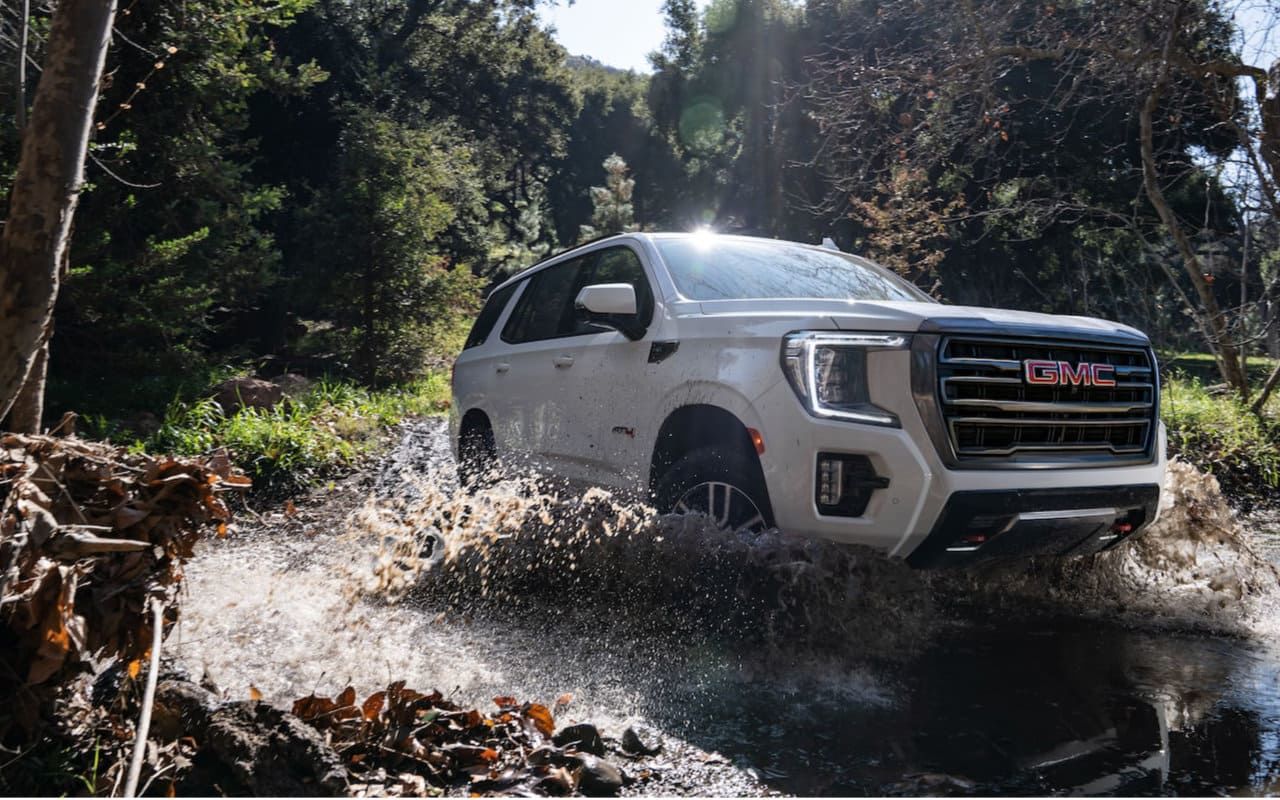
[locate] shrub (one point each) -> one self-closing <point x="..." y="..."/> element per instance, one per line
<point x="328" y="429"/>
<point x="1220" y="435"/>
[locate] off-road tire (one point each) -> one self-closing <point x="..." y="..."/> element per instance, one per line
<point x="715" y="465"/>
<point x="477" y="457"/>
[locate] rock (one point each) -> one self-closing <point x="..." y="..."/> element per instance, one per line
<point x="272" y="752"/>
<point x="584" y="738"/>
<point x="633" y="745"/>
<point x="597" y="777"/>
<point x="181" y="709"/>
<point x="144" y="424"/>
<point x="294" y="385"/>
<point x="238" y="393"/>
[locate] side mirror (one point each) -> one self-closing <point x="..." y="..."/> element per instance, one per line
<point x="612" y="305"/>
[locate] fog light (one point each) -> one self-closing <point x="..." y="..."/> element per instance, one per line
<point x="843" y="484"/>
<point x="830" y="481"/>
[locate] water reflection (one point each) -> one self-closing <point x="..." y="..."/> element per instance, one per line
<point x="1046" y="707"/>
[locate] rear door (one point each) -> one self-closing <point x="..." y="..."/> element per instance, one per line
<point x="474" y="371"/>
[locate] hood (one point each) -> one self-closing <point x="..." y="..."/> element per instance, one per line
<point x="974" y="320"/>
<point x="932" y="318"/>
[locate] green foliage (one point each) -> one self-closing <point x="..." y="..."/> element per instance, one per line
<point x="396" y="190"/>
<point x="612" y="210"/>
<point x="334" y="183"/>
<point x="1218" y="434"/>
<point x="329" y="428"/>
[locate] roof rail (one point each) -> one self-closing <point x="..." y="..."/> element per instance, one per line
<point x="564" y="250"/>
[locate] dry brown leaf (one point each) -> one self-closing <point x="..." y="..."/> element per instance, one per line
<point x="347" y="698"/>
<point x="373" y="705"/>
<point x="541" y="717"/>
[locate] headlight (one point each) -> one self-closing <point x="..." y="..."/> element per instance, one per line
<point x="829" y="373"/>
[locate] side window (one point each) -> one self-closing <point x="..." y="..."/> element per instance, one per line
<point x="489" y="316"/>
<point x="622" y="265"/>
<point x="546" y="305"/>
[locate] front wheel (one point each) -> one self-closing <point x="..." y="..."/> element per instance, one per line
<point x="724" y="485"/>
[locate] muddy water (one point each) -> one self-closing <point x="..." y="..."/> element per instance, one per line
<point x="809" y="669"/>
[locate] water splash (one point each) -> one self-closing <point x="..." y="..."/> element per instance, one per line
<point x="738" y="643"/>
<point x="1196" y="568"/>
<point x="518" y="547"/>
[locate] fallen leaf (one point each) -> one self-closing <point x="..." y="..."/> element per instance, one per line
<point x="347" y="698"/>
<point x="541" y="717"/>
<point x="373" y="704"/>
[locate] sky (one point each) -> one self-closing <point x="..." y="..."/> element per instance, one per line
<point x="620" y="33"/>
<point x="1256" y="20"/>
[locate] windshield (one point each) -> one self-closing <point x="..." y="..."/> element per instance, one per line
<point x="720" y="268"/>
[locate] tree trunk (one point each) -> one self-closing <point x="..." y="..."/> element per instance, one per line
<point x="1269" y="109"/>
<point x="1267" y="388"/>
<point x="28" y="410"/>
<point x="47" y="184"/>
<point x="1209" y="315"/>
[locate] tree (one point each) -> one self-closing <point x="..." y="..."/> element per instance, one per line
<point x="612" y="212"/>
<point x="397" y="190"/>
<point x="33" y="247"/>
<point x="1044" y="120"/>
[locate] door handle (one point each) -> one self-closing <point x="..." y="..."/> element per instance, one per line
<point x="502" y="367"/>
<point x="563" y="362"/>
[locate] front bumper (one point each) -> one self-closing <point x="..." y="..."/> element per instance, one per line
<point x="997" y="525"/>
<point x="908" y="515"/>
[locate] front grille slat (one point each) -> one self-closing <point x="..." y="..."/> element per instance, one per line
<point x="992" y="413"/>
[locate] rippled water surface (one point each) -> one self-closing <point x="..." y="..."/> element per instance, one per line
<point x="813" y="670"/>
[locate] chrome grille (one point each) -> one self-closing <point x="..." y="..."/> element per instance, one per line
<point x="991" y="413"/>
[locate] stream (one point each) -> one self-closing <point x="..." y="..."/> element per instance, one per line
<point x="849" y="674"/>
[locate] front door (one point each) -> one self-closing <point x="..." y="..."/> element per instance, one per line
<point x="604" y="392"/>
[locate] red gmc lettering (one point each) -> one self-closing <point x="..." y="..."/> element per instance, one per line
<point x="1064" y="373"/>
<point x="1042" y="373"/>
<point x="1102" y="375"/>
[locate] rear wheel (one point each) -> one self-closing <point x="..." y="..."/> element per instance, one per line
<point x="477" y="457"/>
<point x="722" y="484"/>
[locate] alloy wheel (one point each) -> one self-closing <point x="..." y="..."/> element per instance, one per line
<point x="727" y="505"/>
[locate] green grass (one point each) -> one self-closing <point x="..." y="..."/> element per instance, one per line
<point x="1203" y="367"/>
<point x="1219" y="434"/>
<point x="330" y="428"/>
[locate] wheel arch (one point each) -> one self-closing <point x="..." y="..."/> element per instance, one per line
<point x="695" y="426"/>
<point x="474" y="417"/>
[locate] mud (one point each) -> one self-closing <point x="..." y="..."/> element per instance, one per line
<point x="768" y="664"/>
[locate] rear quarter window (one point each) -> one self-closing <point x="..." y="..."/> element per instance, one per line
<point x="489" y="315"/>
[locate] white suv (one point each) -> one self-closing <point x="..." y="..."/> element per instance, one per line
<point x="768" y="383"/>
